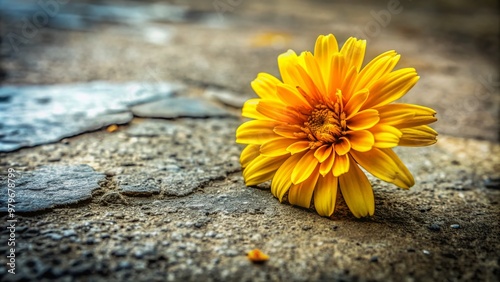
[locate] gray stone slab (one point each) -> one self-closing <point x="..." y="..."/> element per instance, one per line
<point x="34" y="115"/>
<point x="175" y="107"/>
<point x="172" y="157"/>
<point x="137" y="185"/>
<point x="52" y="186"/>
<point x="178" y="182"/>
<point x="185" y="182"/>
<point x="82" y="16"/>
<point x="227" y="97"/>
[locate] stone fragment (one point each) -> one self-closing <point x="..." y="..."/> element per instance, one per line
<point x="34" y="115"/>
<point x="53" y="186"/>
<point x="434" y="227"/>
<point x="226" y="97"/>
<point x="135" y="185"/>
<point x="176" y="107"/>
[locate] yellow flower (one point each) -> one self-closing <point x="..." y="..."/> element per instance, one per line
<point x="310" y="131"/>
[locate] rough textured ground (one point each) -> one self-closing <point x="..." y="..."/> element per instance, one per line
<point x="170" y="203"/>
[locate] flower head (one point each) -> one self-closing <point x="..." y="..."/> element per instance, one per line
<point x="327" y="116"/>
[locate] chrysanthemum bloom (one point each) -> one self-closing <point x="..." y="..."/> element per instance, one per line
<point x="328" y="115"/>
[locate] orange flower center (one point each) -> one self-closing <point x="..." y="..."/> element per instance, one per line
<point x="326" y="124"/>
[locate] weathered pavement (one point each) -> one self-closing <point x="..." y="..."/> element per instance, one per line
<point x="162" y="198"/>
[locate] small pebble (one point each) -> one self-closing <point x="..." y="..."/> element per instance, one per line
<point x="138" y="254"/>
<point x="54" y="236"/>
<point x="87" y="254"/>
<point x="424" y="208"/>
<point x="123" y="265"/>
<point x="69" y="233"/>
<point x="64" y="249"/>
<point x="172" y="167"/>
<point x="210" y="234"/>
<point x="426" y="252"/>
<point x="434" y="227"/>
<point x="232" y="253"/>
<point x="110" y="172"/>
<point x="119" y="252"/>
<point x="492" y="183"/>
<point x="54" y="159"/>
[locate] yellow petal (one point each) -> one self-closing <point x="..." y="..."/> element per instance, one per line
<point x="249" y="153"/>
<point x="392" y="114"/>
<point x="406" y="115"/>
<point x="342" y="146"/>
<point x="327" y="165"/>
<point x="336" y="75"/>
<point x="357" y="192"/>
<point x="256" y="132"/>
<point x="277" y="111"/>
<point x="301" y="194"/>
<point x="304" y="167"/>
<point x="315" y="72"/>
<point x="282" y="179"/>
<point x="354" y="52"/>
<point x="291" y="96"/>
<point x="417" y="136"/>
<point x="250" y="110"/>
<point x="361" y="140"/>
<point x="363" y="120"/>
<point x="298" y="146"/>
<point x="386" y="136"/>
<point x="341" y="165"/>
<point x="386" y="165"/>
<point x="302" y="81"/>
<point x="286" y="60"/>
<point x="325" y="194"/>
<point x="355" y="102"/>
<point x="416" y="121"/>
<point x="376" y="68"/>
<point x="324" y="49"/>
<point x="391" y="87"/>
<point x="262" y="169"/>
<point x="349" y="79"/>
<point x="289" y="131"/>
<point x="323" y="152"/>
<point x="265" y="85"/>
<point x="276" y="147"/>
<point x="257" y="256"/>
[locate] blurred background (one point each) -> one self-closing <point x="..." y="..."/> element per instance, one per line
<point x="223" y="44"/>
